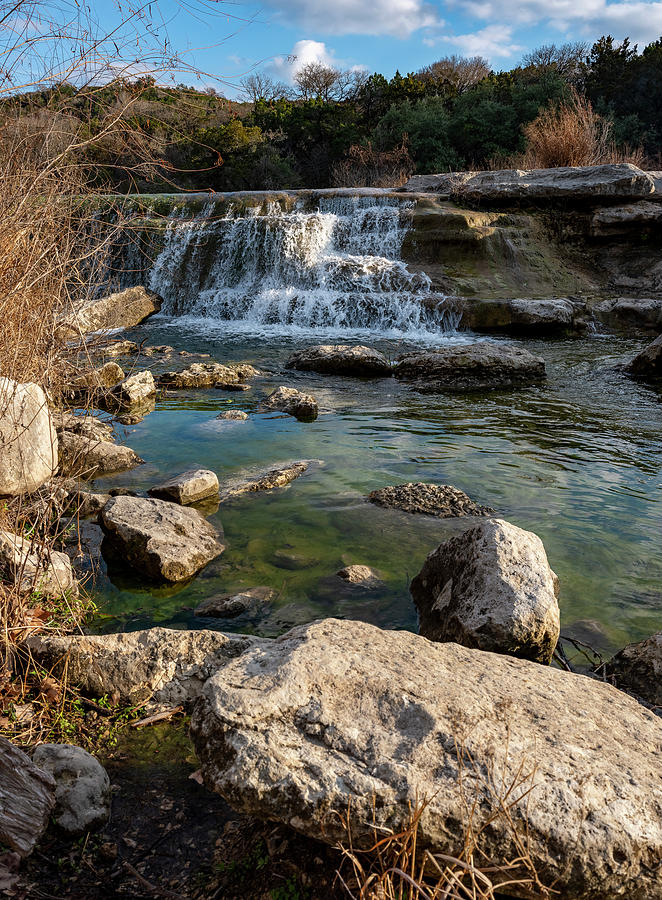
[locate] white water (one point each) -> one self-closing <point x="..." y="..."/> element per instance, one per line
<point x="264" y="270"/>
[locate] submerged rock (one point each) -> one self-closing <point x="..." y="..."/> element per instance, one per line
<point x="189" y="487"/>
<point x="647" y="365"/>
<point x="362" y="576"/>
<point x="124" y="309"/>
<point x="286" y="559"/>
<point x="339" y="720"/>
<point x="82" y="787"/>
<point x="27" y="796"/>
<point x="269" y="479"/>
<point x="163" y="540"/>
<point x="340" y="359"/>
<point x="229" y="606"/>
<point x="235" y="415"/>
<point x="637" y="669"/>
<point x="161" y="665"/>
<point x="36" y="569"/>
<point x="85" y="457"/>
<point x="28" y="441"/>
<point x="208" y="375"/>
<point x="481" y="366"/>
<point x="490" y="588"/>
<point x="292" y="402"/>
<point x="441" y="500"/>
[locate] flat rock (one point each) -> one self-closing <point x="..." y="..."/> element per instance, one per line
<point x="189" y="487"/>
<point x="159" y="665"/>
<point x="229" y="606"/>
<point x="234" y="415"/>
<point x="647" y="365"/>
<point x="268" y="479"/>
<point x="88" y="426"/>
<point x="85" y="457"/>
<point x="340" y="359"/>
<point x="621" y="219"/>
<point x="441" y="500"/>
<point x="162" y="540"/>
<point x="124" y="309"/>
<point x="292" y="402"/>
<point x="491" y="588"/>
<point x="522" y="315"/>
<point x="339" y="718"/>
<point x="637" y="669"/>
<point x="28" y="441"/>
<point x="637" y="312"/>
<point x="208" y="375"/>
<point x="362" y="576"/>
<point x="480" y="366"/>
<point x="35" y="569"/>
<point x="82" y="787"/>
<point x="27" y="796"/>
<point x="119" y="348"/>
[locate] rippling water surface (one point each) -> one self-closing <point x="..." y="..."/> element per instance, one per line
<point x="576" y="460"/>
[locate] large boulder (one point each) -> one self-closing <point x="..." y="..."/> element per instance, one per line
<point x="637" y="669"/>
<point x="162" y="540"/>
<point x="28" y="441"/>
<point x="340" y="359"/>
<point x="162" y="666"/>
<point x="191" y="486"/>
<point x="208" y="375"/>
<point x="523" y="316"/>
<point x="85" y="457"/>
<point x="480" y="366"/>
<point x="340" y="721"/>
<point x="571" y="184"/>
<point x="27" y="796"/>
<point x="441" y="500"/>
<point x="292" y="402"/>
<point x="82" y="787"/>
<point x="490" y="587"/>
<point x="36" y="569"/>
<point x="631" y="311"/>
<point x="124" y="309"/>
<point x="647" y="365"/>
<point x="135" y="391"/>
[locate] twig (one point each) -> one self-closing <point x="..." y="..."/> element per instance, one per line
<point x="152" y="888"/>
<point x="157" y="717"/>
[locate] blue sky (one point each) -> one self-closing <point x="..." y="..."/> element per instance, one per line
<point x="385" y="35"/>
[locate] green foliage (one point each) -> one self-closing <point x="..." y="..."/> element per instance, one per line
<point x="427" y="125"/>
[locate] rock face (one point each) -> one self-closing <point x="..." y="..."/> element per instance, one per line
<point x="339" y="716"/>
<point x="269" y="479"/>
<point x="165" y="666"/>
<point x="27" y="796"/>
<point x="124" y="309"/>
<point x="648" y="364"/>
<point x="637" y="669"/>
<point x="490" y="588"/>
<point x="189" y="487"/>
<point x="642" y="313"/>
<point x="28" y="442"/>
<point x="82" y="791"/>
<point x="229" y="606"/>
<point x="340" y="359"/>
<point x="620" y="219"/>
<point x="568" y="183"/>
<point x="162" y="540"/>
<point x="482" y="366"/>
<point x="88" y="458"/>
<point x="33" y="570"/>
<point x="208" y="375"/>
<point x="441" y="500"/>
<point x="524" y="316"/>
<point x="293" y="403"/>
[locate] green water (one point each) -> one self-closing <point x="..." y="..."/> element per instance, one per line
<point x="576" y="460"/>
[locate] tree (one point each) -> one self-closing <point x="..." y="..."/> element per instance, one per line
<point x="260" y="86"/>
<point x="315" y="80"/>
<point x="458" y="72"/>
<point x="567" y="60"/>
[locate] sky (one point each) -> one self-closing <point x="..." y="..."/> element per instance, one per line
<point x="280" y="36"/>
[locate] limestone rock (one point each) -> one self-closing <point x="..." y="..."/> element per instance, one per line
<point x="162" y="540"/>
<point x="292" y="402"/>
<point x="523" y="316"/>
<point x="268" y="479"/>
<point x="82" y="787"/>
<point x="234" y="415"/>
<point x="124" y="309"/>
<point x="490" y="587"/>
<point x="340" y="359"/>
<point x="621" y="219"/>
<point x="341" y="716"/>
<point x="88" y="458"/>
<point x="638" y="312"/>
<point x="103" y="378"/>
<point x="28" y="442"/>
<point x="27" y="796"/>
<point x="88" y="426"/>
<point x="229" y="606"/>
<point x="637" y="669"/>
<point x="480" y="366"/>
<point x="362" y="576"/>
<point x="134" y="391"/>
<point x="35" y="569"/>
<point x="647" y="365"/>
<point x="208" y="375"/>
<point x="294" y="562"/>
<point x="189" y="487"/>
<point x="161" y="665"/>
<point x="119" y="348"/>
<point x="441" y="500"/>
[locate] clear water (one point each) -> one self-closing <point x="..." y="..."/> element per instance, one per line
<point x="576" y="460"/>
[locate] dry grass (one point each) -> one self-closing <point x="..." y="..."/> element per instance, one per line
<point x="363" y="166"/>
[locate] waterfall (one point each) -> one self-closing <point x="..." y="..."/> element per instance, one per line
<point x="280" y="266"/>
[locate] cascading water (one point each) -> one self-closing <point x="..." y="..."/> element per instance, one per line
<point x="336" y="268"/>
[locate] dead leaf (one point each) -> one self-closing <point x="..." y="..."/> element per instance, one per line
<point x="197" y="776"/>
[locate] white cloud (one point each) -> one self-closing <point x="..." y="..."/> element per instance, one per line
<point x="492" y="42"/>
<point x="398" y="18"/>
<point x="303" y="53"/>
